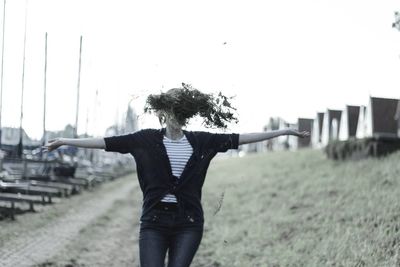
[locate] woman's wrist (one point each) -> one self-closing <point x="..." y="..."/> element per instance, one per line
<point x="63" y="141"/>
<point x="290" y="132"/>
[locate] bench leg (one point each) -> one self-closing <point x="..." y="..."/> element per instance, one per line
<point x="31" y="206"/>
<point x="12" y="215"/>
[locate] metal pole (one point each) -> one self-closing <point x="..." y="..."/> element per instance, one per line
<point x="95" y="112"/>
<point x="2" y="65"/>
<point x="396" y="24"/>
<point x="78" y="88"/>
<point x="20" y="145"/>
<point x="44" y="94"/>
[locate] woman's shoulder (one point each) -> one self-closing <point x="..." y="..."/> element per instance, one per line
<point x="149" y="130"/>
<point x="205" y="133"/>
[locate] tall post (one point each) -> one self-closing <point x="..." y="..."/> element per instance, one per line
<point x="95" y="111"/>
<point x="2" y="66"/>
<point x="78" y="88"/>
<point x="20" y="144"/>
<point x="396" y="24"/>
<point x="44" y="94"/>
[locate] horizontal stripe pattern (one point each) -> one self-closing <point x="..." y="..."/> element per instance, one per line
<point x="179" y="152"/>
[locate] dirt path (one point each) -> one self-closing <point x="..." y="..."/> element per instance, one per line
<point x="110" y="240"/>
<point x="93" y="229"/>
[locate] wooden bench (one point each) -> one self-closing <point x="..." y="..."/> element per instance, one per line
<point x="26" y="188"/>
<point x="15" y="198"/>
<point x="65" y="189"/>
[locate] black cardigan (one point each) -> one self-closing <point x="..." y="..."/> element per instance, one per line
<point x="154" y="169"/>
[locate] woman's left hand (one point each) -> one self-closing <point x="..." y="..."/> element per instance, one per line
<point x="301" y="134"/>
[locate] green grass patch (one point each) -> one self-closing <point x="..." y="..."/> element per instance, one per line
<point x="301" y="209"/>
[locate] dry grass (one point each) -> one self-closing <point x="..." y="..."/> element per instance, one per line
<point x="300" y="209"/>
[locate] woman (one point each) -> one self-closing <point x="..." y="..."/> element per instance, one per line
<point x="171" y="167"/>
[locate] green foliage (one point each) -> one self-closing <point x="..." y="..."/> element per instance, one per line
<point x="187" y="102"/>
<point x="361" y="148"/>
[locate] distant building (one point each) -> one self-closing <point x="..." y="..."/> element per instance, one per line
<point x="316" y="133"/>
<point x="378" y="118"/>
<point x="131" y="121"/>
<point x="330" y="128"/>
<point x="10" y="136"/>
<point x="129" y="125"/>
<point x="284" y="142"/>
<point x="348" y="122"/>
<point x="68" y="132"/>
<point x="273" y="125"/>
<point x="304" y="125"/>
<point x="10" y="139"/>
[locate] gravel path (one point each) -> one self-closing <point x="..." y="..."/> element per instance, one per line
<point x="91" y="229"/>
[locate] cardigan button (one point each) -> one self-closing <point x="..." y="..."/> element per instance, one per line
<point x="190" y="218"/>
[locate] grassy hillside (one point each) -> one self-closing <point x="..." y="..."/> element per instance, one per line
<point x="300" y="209"/>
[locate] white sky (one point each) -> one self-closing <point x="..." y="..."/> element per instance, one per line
<point x="285" y="58"/>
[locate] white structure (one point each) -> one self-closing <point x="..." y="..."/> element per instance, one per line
<point x="330" y="128"/>
<point x="316" y="132"/>
<point x="283" y="143"/>
<point x="348" y="122"/>
<point x="361" y="125"/>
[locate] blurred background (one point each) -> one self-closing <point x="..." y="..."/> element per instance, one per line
<point x="289" y="58"/>
<point x="84" y="68"/>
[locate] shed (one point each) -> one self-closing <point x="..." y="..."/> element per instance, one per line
<point x="316" y="132"/>
<point x="304" y="125"/>
<point x="379" y="119"/>
<point x="330" y="128"/>
<point x="348" y="123"/>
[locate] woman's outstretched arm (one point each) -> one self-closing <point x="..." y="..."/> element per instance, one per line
<point x="78" y="142"/>
<point x="257" y="137"/>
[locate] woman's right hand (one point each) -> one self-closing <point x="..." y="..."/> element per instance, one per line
<point x="53" y="144"/>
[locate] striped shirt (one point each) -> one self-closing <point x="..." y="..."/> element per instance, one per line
<point x="179" y="152"/>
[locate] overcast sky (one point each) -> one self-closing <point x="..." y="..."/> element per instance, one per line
<point x="287" y="58"/>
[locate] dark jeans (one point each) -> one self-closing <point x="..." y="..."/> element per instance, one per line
<point x="162" y="231"/>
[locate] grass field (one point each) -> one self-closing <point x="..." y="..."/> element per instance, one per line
<point x="273" y="209"/>
<point x="300" y="209"/>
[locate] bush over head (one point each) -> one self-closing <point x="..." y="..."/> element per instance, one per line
<point x="187" y="102"/>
